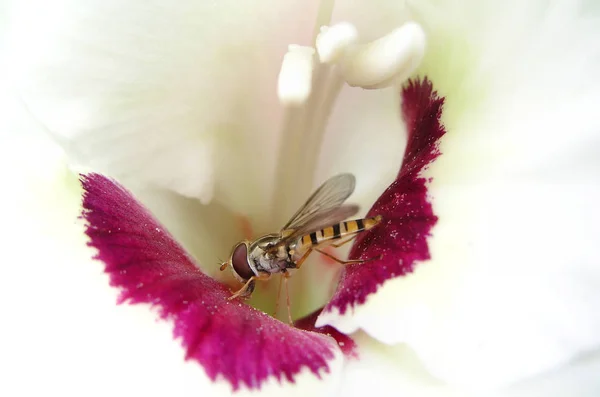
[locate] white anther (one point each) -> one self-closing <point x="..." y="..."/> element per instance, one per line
<point x="295" y="78"/>
<point x="388" y="59"/>
<point x="333" y="41"/>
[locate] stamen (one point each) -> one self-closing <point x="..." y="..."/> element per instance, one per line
<point x="333" y="41"/>
<point x="308" y="90"/>
<point x="295" y="78"/>
<point x="386" y="60"/>
<point x="302" y="136"/>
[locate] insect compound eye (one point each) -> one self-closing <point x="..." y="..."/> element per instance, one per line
<point x="239" y="260"/>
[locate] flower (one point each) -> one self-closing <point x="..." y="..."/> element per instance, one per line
<point x="464" y="333"/>
<point x="234" y="341"/>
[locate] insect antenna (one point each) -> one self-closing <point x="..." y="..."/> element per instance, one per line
<point x="222" y="265"/>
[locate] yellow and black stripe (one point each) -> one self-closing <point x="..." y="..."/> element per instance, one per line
<point x="337" y="231"/>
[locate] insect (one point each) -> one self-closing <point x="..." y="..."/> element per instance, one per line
<point x="318" y="223"/>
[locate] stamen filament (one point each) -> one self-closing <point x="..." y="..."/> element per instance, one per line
<point x="302" y="136"/>
<point x="329" y="89"/>
<point x="323" y="16"/>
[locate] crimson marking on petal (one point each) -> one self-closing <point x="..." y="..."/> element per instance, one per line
<point x="401" y="239"/>
<point x="345" y="342"/>
<point x="227" y="338"/>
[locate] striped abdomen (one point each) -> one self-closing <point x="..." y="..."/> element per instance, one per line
<point x="336" y="232"/>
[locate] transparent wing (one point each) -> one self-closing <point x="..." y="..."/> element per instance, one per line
<point x="324" y="220"/>
<point x="324" y="207"/>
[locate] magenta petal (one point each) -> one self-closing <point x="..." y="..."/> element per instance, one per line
<point x="345" y="342"/>
<point x="228" y="338"/>
<point x="401" y="239"/>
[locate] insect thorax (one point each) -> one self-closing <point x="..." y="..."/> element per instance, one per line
<point x="267" y="257"/>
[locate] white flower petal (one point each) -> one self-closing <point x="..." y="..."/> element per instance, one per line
<point x="384" y="370"/>
<point x="179" y="97"/>
<point x="512" y="286"/>
<point x="373" y="21"/>
<point x="579" y="378"/>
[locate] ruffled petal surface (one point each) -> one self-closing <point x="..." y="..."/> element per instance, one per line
<point x="400" y="241"/>
<point x="228" y="338"/>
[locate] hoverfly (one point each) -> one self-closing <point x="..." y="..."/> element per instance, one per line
<point x="318" y="223"/>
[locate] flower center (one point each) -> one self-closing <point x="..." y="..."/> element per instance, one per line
<point x="310" y="81"/>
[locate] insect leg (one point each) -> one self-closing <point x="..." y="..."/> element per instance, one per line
<point x="247" y="289"/>
<point x="338" y="245"/>
<point x="287" y="294"/>
<point x="348" y="261"/>
<point x="303" y="258"/>
<point x="278" y="296"/>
